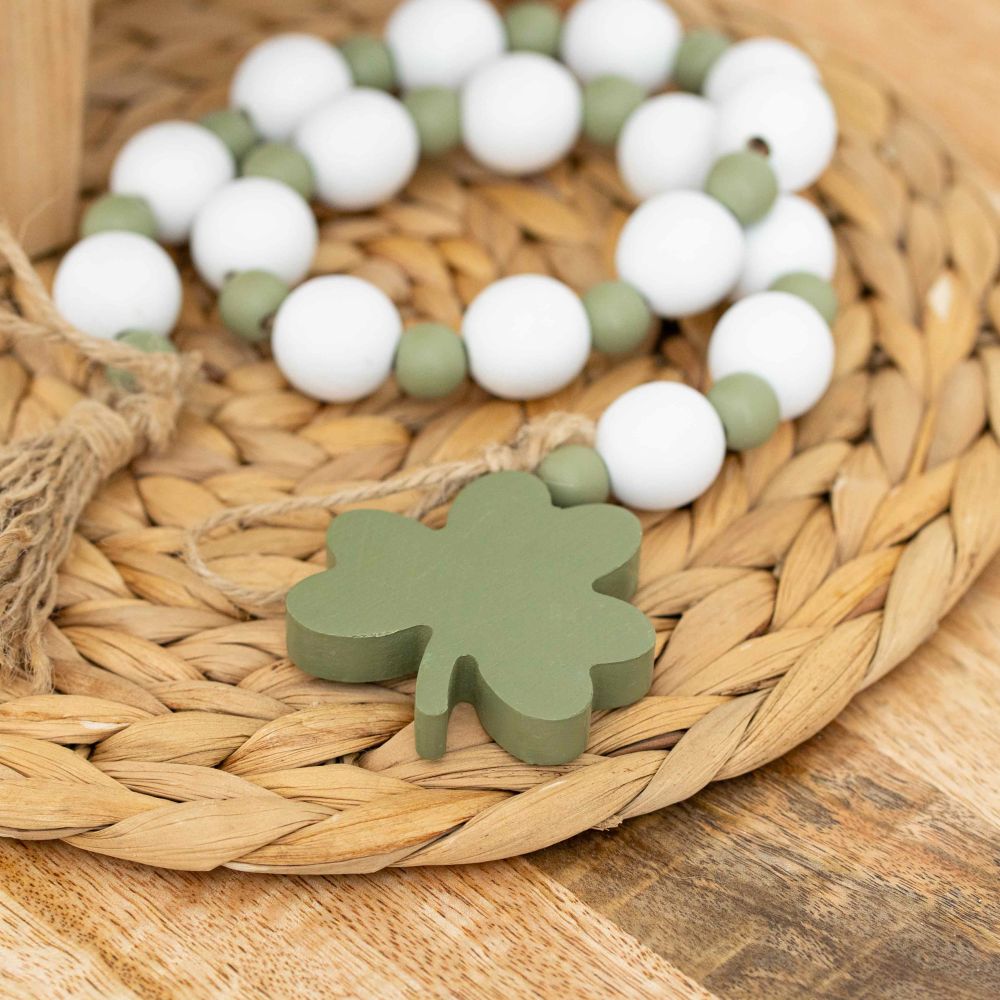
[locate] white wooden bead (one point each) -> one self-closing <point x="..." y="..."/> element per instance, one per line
<point x="334" y="338"/>
<point x="668" y="142"/>
<point x="284" y="78"/>
<point x="440" y="43"/>
<point x="753" y="57"/>
<point x="527" y="336"/>
<point x="176" y="166"/>
<point x="363" y="147"/>
<point x="254" y="223"/>
<point x="793" y="116"/>
<point x="117" y="281"/>
<point x="663" y="444"/>
<point x="794" y="236"/>
<point x="781" y="338"/>
<point x="682" y="250"/>
<point x="521" y="113"/>
<point x="636" y="39"/>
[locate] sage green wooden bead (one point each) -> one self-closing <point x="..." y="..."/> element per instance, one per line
<point x="533" y="27"/>
<point x="437" y="115"/>
<point x="748" y="409"/>
<point x="370" y="62"/>
<point x="817" y="292"/>
<point x="248" y="300"/>
<point x="430" y="361"/>
<point x="696" y="56"/>
<point x="619" y="317"/>
<point x="575" y="474"/>
<point x="607" y="102"/>
<point x="119" y="213"/>
<point x="142" y="340"/>
<point x="745" y="183"/>
<point x="234" y="128"/>
<point x="281" y="162"/>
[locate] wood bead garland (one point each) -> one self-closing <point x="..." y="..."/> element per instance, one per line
<point x="714" y="170"/>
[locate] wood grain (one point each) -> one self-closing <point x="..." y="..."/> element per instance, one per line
<point x="497" y="930"/>
<point x="863" y="864"/>
<point x="832" y="873"/>
<point x="43" y="47"/>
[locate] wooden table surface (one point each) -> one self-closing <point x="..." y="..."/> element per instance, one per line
<point x="864" y="864"/>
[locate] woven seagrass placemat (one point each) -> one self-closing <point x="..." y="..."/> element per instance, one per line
<point x="180" y="736"/>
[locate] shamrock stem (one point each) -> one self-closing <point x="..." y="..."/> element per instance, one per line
<point x="433" y="702"/>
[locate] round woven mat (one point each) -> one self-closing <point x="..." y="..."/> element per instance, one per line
<point x="180" y="736"/>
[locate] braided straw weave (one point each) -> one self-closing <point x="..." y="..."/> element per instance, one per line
<point x="180" y="736"/>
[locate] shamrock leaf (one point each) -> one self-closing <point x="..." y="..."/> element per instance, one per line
<point x="516" y="606"/>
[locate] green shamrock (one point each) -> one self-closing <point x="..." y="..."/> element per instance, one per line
<point x="516" y="606"/>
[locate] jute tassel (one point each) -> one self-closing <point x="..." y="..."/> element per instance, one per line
<point x="45" y="482"/>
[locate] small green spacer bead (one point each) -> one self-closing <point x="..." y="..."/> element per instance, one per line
<point x="234" y="129"/>
<point x="436" y="111"/>
<point x="281" y="162"/>
<point x="748" y="409"/>
<point x="141" y="340"/>
<point x="575" y="474"/>
<point x="745" y="183"/>
<point x="370" y="62"/>
<point x="696" y="56"/>
<point x="533" y="27"/>
<point x="607" y="103"/>
<point x="430" y="361"/>
<point x="818" y="293"/>
<point x="619" y="317"/>
<point x="119" y="213"/>
<point x="248" y="300"/>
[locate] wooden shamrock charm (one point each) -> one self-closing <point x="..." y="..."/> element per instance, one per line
<point x="516" y="606"/>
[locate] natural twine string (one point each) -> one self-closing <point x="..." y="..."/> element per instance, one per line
<point x="48" y="480"/>
<point x="442" y="481"/>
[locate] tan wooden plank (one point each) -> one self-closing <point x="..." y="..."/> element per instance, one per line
<point x="939" y="714"/>
<point x="832" y="873"/>
<point x="36" y="961"/>
<point x="504" y="930"/>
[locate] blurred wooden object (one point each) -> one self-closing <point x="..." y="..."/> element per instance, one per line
<point x="43" y="66"/>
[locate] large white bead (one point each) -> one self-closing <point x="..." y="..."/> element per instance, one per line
<point x="439" y="43"/>
<point x="668" y="142"/>
<point x="521" y="113"/>
<point x="682" y="250"/>
<point x="794" y="117"/>
<point x="794" y="236"/>
<point x="527" y="336"/>
<point x="251" y="224"/>
<point x="111" y="282"/>
<point x="753" y="57"/>
<point x="636" y="39"/>
<point x="781" y="338"/>
<point x="334" y="338"/>
<point x="284" y="78"/>
<point x="176" y="167"/>
<point x="363" y="147"/>
<point x="663" y="444"/>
